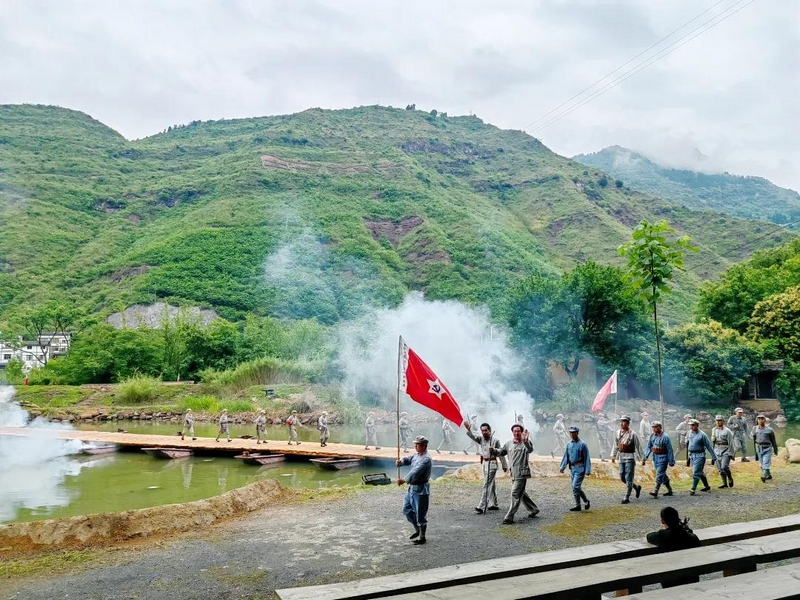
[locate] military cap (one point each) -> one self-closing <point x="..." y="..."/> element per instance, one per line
<point x="261" y="412"/>
<point x="761" y="416"/>
<point x="687" y="416"/>
<point x="694" y="422"/>
<point x="625" y="418"/>
<point x="645" y="413"/>
<point x="324" y="412"/>
<point x="403" y="413"/>
<point x="559" y="416"/>
<point x="224" y="410"/>
<point x="739" y="409"/>
<point x="719" y="418"/>
<point x="574" y="429"/>
<point x="188" y="410"/>
<point x="294" y="412"/>
<point x="655" y="424"/>
<point x="421" y="439"/>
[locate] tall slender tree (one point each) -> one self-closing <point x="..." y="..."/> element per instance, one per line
<point x="654" y="253"/>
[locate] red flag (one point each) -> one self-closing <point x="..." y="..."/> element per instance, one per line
<point x="609" y="388"/>
<point x="424" y="387"/>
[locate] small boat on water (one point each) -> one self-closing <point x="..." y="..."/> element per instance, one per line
<point x="95" y="450"/>
<point x="256" y="459"/>
<point x="337" y="464"/>
<point x="168" y="452"/>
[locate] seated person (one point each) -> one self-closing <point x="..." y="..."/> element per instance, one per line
<point x="674" y="534"/>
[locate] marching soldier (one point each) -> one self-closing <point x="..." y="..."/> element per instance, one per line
<point x="628" y="448"/>
<point x="683" y="430"/>
<point x="293" y="422"/>
<point x="473" y="444"/>
<point x="645" y="428"/>
<point x="518" y="451"/>
<point x="576" y="456"/>
<point x="324" y="432"/>
<point x="405" y="430"/>
<point x="487" y="442"/>
<point x="261" y="426"/>
<point x="698" y="443"/>
<point x="722" y="440"/>
<point x="765" y="442"/>
<point x="605" y="435"/>
<point x="415" y="506"/>
<point x="738" y="426"/>
<point x="223" y="425"/>
<point x="188" y="424"/>
<point x="561" y="436"/>
<point x="660" y="446"/>
<point x="372" y="432"/>
<point x="447" y="439"/>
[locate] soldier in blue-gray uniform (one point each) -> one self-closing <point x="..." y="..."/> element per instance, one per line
<point x="660" y="446"/>
<point x="518" y="451"/>
<point x="223" y="425"/>
<point x="628" y="447"/>
<point x="738" y="426"/>
<point x="486" y="443"/>
<point x="576" y="456"/>
<point x="405" y="430"/>
<point x="764" y="439"/>
<point x="188" y="424"/>
<point x="447" y="438"/>
<point x="324" y="430"/>
<point x="722" y="440"/>
<point x="261" y="426"/>
<point x="698" y="443"/>
<point x="415" y="507"/>
<point x="561" y="436"/>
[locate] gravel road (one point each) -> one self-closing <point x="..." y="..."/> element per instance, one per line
<point x="363" y="533"/>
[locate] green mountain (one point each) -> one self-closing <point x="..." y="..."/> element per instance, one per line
<point x="312" y="214"/>
<point x="751" y="197"/>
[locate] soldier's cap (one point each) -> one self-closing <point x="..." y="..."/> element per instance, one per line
<point x="655" y="424"/>
<point x="403" y="413"/>
<point x="739" y="409"/>
<point x="188" y="410"/>
<point x="719" y="418"/>
<point x="559" y="416"/>
<point x="324" y="412"/>
<point x="262" y="412"/>
<point x="421" y="439"/>
<point x="761" y="416"/>
<point x="370" y="413"/>
<point x="694" y="422"/>
<point x="644" y="413"/>
<point x="574" y="429"/>
<point x="625" y="418"/>
<point x="224" y="410"/>
<point x="294" y="412"/>
<point x="687" y="416"/>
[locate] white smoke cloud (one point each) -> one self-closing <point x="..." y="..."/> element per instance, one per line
<point x="32" y="469"/>
<point x="468" y="353"/>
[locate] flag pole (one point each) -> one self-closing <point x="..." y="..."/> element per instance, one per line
<point x="397" y="404"/>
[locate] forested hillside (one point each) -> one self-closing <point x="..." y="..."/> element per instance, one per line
<point x="751" y="197"/>
<point x="313" y="214"/>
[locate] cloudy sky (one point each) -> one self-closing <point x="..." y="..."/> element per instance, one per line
<point x="138" y="66"/>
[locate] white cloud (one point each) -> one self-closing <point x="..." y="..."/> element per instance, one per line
<point x="143" y="65"/>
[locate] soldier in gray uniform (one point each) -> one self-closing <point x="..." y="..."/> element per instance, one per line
<point x="472" y="444"/>
<point x="293" y="423"/>
<point x="188" y="424"/>
<point x="722" y="440"/>
<point x="698" y="443"/>
<point x="518" y="451"/>
<point x="683" y="430"/>
<point x="324" y="432"/>
<point x="628" y="448"/>
<point x="738" y="426"/>
<point x="417" y="500"/>
<point x="645" y="429"/>
<point x="447" y="438"/>
<point x="372" y="432"/>
<point x="487" y="442"/>
<point x="605" y="435"/>
<point x="261" y="426"/>
<point x="405" y="430"/>
<point x="765" y="442"/>
<point x="223" y="425"/>
<point x="561" y="436"/>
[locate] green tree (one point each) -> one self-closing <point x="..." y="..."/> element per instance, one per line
<point x="590" y="311"/>
<point x="709" y="362"/>
<point x="654" y="254"/>
<point x="776" y="321"/>
<point x="788" y="387"/>
<point x="44" y="322"/>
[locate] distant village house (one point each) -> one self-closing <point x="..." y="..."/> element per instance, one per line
<point x="34" y="353"/>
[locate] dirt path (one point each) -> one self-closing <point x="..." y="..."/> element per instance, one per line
<point x="336" y="536"/>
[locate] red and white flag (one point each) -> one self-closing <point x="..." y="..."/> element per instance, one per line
<point x="423" y="386"/>
<point x="609" y="388"/>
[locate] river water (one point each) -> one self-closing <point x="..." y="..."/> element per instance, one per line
<point x="65" y="484"/>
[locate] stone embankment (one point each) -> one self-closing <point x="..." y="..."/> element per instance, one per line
<point x="102" y="528"/>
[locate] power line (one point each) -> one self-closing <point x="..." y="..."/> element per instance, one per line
<point x="607" y="75"/>
<point x="682" y="41"/>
